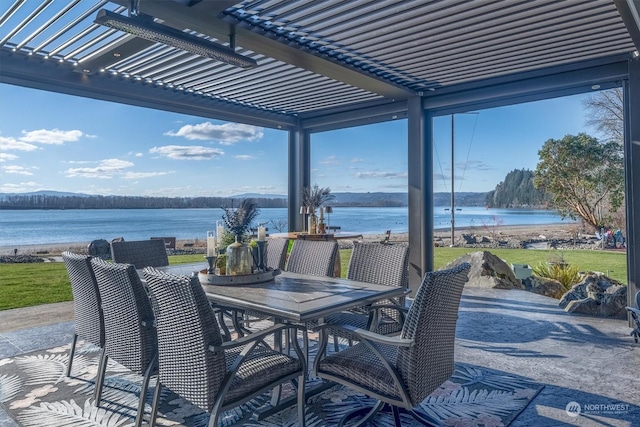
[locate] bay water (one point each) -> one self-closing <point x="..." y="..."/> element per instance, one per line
<point x="36" y="227"/>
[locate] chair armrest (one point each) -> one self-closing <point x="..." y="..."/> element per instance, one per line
<point x="364" y="334"/>
<point x="634" y="310"/>
<point x="253" y="337"/>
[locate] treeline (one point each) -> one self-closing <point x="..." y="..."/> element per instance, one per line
<point x="516" y="191"/>
<point x="125" y="202"/>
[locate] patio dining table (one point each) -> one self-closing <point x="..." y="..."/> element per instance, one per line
<point x="292" y="297"/>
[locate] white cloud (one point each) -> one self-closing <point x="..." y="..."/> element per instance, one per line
<point x="17" y="170"/>
<point x="244" y="157"/>
<point x="331" y="160"/>
<point x="383" y="175"/>
<point x="107" y="169"/>
<point x="225" y="134"/>
<point x="184" y="152"/>
<point x="137" y="175"/>
<point x="356" y="160"/>
<point x="22" y="187"/>
<point x="478" y="165"/>
<point x="53" y="136"/>
<point x="78" y="162"/>
<point x="5" y="157"/>
<point x="8" y="143"/>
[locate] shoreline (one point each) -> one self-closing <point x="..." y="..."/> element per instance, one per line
<point x="525" y="232"/>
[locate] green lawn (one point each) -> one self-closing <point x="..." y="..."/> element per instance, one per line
<point x="24" y="285"/>
<point x="614" y="264"/>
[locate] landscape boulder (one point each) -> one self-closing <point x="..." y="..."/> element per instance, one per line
<point x="100" y="248"/>
<point x="488" y="271"/>
<point x="596" y="295"/>
<point x="544" y="286"/>
<point x="468" y="239"/>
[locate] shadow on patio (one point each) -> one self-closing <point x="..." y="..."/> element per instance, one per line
<point x="580" y="360"/>
<point x="587" y="360"/>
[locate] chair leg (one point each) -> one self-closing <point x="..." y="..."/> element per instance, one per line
<point x="72" y="352"/>
<point x="143" y="390"/>
<point x="236" y="324"/>
<point x="226" y="333"/>
<point x="154" y="405"/>
<point x="305" y="342"/>
<point x="396" y="416"/>
<point x="366" y="413"/>
<point x="302" y="401"/>
<point x="102" y="368"/>
<point x="215" y="413"/>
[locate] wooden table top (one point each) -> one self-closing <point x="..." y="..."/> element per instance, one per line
<point x="327" y="236"/>
<point x="294" y="297"/>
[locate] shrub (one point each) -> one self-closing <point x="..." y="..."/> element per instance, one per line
<point x="564" y="273"/>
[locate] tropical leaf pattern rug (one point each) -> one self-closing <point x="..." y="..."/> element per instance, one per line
<point x="35" y="392"/>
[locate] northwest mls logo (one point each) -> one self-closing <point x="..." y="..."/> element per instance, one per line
<point x="573" y="409"/>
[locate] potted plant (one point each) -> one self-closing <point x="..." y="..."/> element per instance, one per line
<point x="237" y="221"/>
<point x="314" y="198"/>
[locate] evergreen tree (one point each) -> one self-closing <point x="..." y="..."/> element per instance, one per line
<point x="516" y="191"/>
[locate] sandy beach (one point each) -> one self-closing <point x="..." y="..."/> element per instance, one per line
<point x="442" y="237"/>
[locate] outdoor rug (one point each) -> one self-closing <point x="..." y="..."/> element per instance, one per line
<point x="35" y="392"/>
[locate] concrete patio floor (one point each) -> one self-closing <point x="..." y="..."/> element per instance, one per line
<point x="590" y="361"/>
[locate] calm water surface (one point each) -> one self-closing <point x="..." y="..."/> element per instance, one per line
<point x="29" y="227"/>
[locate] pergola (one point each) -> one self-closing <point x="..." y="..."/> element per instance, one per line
<point x="325" y="65"/>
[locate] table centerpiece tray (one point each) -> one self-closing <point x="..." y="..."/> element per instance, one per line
<point x="244" y="279"/>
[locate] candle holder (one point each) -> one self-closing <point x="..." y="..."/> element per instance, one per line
<point x="329" y="211"/>
<point x="212" y="264"/>
<point x="261" y="255"/>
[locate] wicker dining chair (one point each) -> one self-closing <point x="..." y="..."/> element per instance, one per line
<point x="130" y="334"/>
<point x="196" y="364"/>
<point x="313" y="257"/>
<point x="373" y="262"/>
<point x="403" y="370"/>
<point x="634" y="312"/>
<point x="87" y="310"/>
<point x="276" y="253"/>
<point x="140" y="253"/>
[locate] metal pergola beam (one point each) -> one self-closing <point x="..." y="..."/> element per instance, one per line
<point x="361" y="116"/>
<point x="37" y="73"/>
<point x="528" y="87"/>
<point x="420" y="189"/>
<point x="632" y="177"/>
<point x="299" y="174"/>
<point x="630" y="13"/>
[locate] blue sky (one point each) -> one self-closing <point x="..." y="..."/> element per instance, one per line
<point x="50" y="141"/>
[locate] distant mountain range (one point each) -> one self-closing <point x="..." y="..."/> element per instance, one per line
<point x="386" y="199"/>
<point x="46" y="193"/>
<point x="341" y="199"/>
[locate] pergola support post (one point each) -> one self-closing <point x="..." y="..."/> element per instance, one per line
<point x="420" y="185"/>
<point x="299" y="174"/>
<point x="632" y="176"/>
